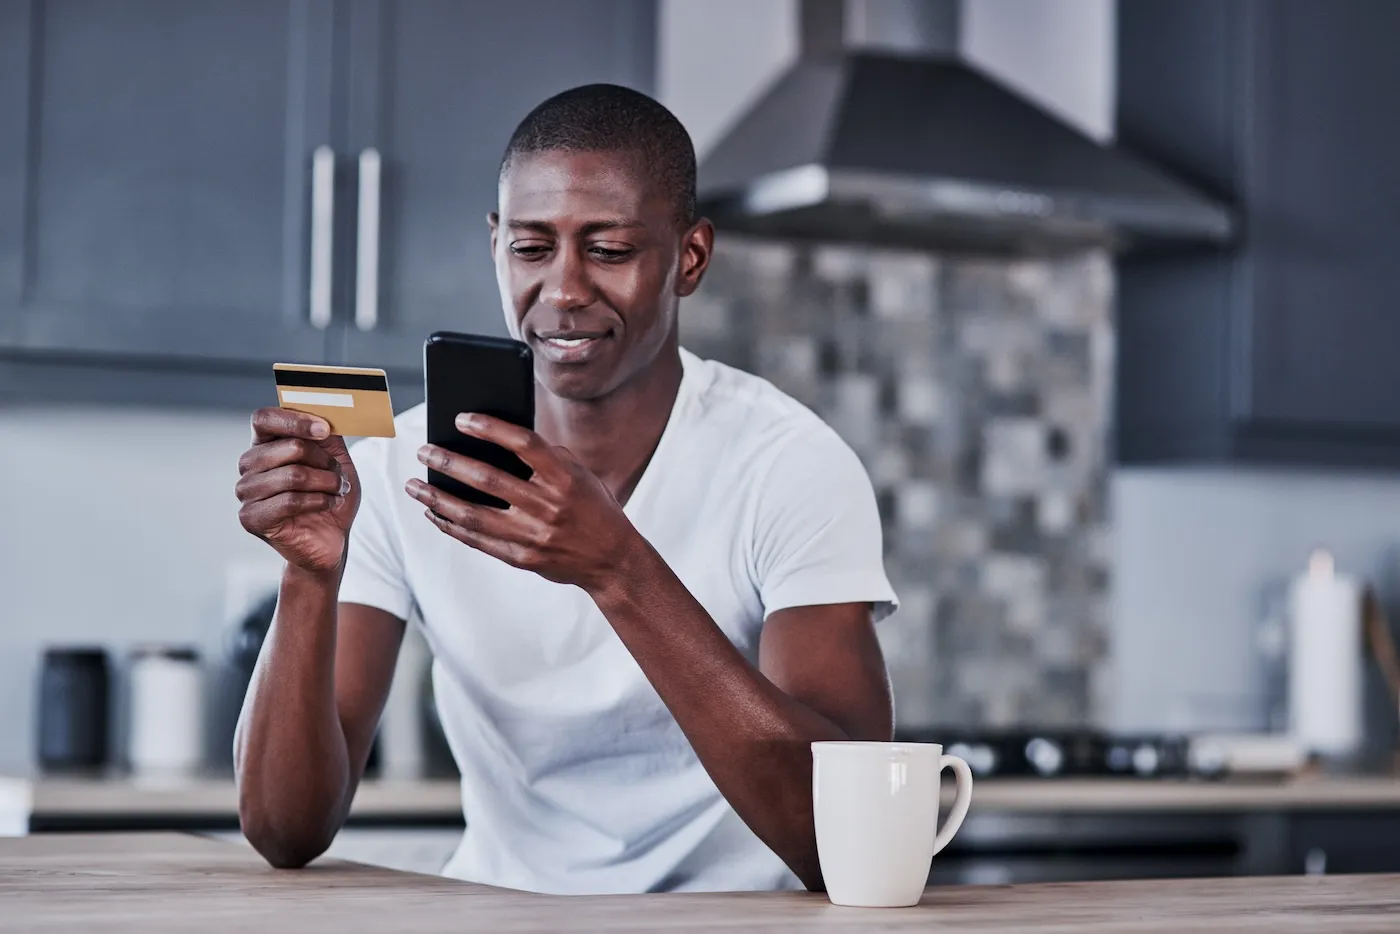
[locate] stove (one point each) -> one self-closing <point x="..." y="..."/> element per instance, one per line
<point x="1051" y="754"/>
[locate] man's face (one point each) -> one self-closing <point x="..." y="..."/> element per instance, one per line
<point x="591" y="265"/>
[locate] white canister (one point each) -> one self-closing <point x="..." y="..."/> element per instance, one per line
<point x="1325" y="659"/>
<point x="166" y="712"/>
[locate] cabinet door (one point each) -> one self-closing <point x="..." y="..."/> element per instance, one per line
<point x="437" y="86"/>
<point x="16" y="24"/>
<point x="1345" y="842"/>
<point x="155" y="176"/>
<point x="1324" y="325"/>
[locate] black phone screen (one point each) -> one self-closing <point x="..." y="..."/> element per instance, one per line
<point x="486" y="375"/>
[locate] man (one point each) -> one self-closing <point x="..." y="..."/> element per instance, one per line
<point x="632" y="660"/>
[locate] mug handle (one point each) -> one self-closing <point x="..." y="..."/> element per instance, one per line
<point x="961" y="802"/>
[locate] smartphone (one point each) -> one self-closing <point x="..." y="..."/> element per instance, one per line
<point x="486" y="375"/>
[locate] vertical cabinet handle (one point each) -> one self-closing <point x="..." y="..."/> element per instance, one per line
<point x="367" y="251"/>
<point x="322" y="232"/>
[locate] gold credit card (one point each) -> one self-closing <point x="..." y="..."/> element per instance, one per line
<point x="355" y="400"/>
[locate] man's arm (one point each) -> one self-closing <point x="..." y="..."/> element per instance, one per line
<point x="323" y="675"/>
<point x="309" y="718"/>
<point x="821" y="676"/>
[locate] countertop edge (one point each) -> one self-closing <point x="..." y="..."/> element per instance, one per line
<point x="440" y="799"/>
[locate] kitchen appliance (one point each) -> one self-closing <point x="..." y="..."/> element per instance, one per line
<point x="1258" y="755"/>
<point x="74" y="689"/>
<point x="883" y="133"/>
<point x="166" y="730"/>
<point x="1030" y="753"/>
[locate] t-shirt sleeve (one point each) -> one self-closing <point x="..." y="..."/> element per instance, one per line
<point x="374" y="569"/>
<point x="817" y="531"/>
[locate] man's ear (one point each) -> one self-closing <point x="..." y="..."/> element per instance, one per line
<point x="696" y="250"/>
<point x="493" y="220"/>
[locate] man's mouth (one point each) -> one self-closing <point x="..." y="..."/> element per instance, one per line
<point x="570" y="346"/>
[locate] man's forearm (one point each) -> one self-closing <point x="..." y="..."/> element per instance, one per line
<point x="290" y="753"/>
<point x="752" y="738"/>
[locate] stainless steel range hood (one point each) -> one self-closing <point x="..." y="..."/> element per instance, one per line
<point x="900" y="140"/>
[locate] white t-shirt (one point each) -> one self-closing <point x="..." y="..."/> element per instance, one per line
<point x="575" y="776"/>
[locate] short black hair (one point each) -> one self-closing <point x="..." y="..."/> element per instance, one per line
<point x="612" y="118"/>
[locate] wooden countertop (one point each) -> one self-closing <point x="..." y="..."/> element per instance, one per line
<point x="439" y="800"/>
<point x="167" y="883"/>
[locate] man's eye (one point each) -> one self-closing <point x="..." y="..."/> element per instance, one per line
<point x="609" y="253"/>
<point x="529" y="250"/>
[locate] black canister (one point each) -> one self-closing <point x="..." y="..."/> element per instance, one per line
<point x="74" y="687"/>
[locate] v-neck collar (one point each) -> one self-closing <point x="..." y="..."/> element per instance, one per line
<point x="678" y="411"/>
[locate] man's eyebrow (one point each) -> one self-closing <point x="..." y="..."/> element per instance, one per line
<point x="598" y="226"/>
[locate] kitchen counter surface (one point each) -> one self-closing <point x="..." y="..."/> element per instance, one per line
<point x="405" y="801"/>
<point x="378" y="798"/>
<point x="166" y="882"/>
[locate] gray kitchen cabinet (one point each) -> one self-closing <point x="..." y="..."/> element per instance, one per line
<point x="1344" y="842"/>
<point x="15" y="28"/>
<point x="154" y="177"/>
<point x="1280" y="349"/>
<point x="435" y="89"/>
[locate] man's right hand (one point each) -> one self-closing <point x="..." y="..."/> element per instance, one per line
<point x="298" y="488"/>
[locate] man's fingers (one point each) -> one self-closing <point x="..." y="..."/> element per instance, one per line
<point x="482" y="476"/>
<point x="279" y="451"/>
<point x="266" y="514"/>
<point x="509" y="552"/>
<point x="275" y="422"/>
<point x="289" y="478"/>
<point x="512" y="525"/>
<point x="523" y="442"/>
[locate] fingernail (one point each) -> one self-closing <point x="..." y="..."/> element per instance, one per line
<point x="344" y="485"/>
<point x="423" y="453"/>
<point x="320" y="430"/>
<point x="465" y="421"/>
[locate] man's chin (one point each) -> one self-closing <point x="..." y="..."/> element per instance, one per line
<point x="574" y="383"/>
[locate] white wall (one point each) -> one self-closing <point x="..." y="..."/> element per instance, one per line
<point x="1058" y="53"/>
<point x="116" y="527"/>
<point x="715" y="57"/>
<point x="1197" y="550"/>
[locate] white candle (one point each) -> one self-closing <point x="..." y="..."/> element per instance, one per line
<point x="1324" y="669"/>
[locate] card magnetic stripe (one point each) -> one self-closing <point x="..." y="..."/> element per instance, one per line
<point x="369" y="382"/>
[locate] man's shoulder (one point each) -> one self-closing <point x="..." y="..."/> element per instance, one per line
<point x="748" y="409"/>
<point x="727" y="394"/>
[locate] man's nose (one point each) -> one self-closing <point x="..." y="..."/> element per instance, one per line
<point x="566" y="286"/>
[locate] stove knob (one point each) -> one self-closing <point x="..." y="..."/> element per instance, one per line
<point x="1146" y="759"/>
<point x="980" y="757"/>
<point x="1045" y="756"/>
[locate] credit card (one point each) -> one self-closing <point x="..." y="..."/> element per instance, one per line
<point x="355" y="400"/>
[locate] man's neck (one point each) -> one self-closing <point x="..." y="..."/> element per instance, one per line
<point x="615" y="436"/>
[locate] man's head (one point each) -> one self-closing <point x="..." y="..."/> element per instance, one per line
<point x="595" y="240"/>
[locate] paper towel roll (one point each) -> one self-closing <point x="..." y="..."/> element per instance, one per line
<point x="1324" y="678"/>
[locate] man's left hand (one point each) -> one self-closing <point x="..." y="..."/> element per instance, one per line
<point x="562" y="523"/>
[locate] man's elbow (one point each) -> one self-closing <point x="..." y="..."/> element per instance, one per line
<point x="283" y="847"/>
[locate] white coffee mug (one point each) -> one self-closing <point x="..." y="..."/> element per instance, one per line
<point x="876" y="810"/>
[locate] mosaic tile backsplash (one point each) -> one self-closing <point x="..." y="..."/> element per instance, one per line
<point x="978" y="393"/>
